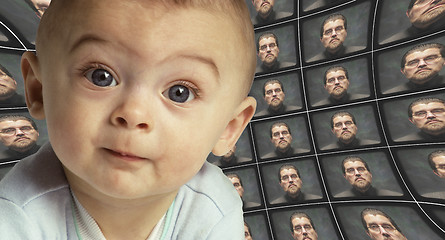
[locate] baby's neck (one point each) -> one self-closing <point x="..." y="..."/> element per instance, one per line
<point x="124" y="218"/>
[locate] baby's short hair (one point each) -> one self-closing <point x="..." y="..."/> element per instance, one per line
<point x="53" y="23"/>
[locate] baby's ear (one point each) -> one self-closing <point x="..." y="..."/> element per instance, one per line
<point x="235" y="128"/>
<point x="33" y="84"/>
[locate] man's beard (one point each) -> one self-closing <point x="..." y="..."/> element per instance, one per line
<point x="362" y="185"/>
<point x="22" y="146"/>
<point x="431" y="17"/>
<point x="435" y="128"/>
<point x="283" y="147"/>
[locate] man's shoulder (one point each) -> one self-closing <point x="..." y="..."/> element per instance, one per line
<point x="347" y="193"/>
<point x="281" y="199"/>
<point x="439" y="194"/>
<point x="416" y="136"/>
<point x="352" y="49"/>
<point x="363" y="142"/>
<point x="334" y="145"/>
<point x="318" y="57"/>
<point x="386" y="192"/>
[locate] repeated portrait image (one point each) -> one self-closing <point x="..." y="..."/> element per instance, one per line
<point x="348" y="137"/>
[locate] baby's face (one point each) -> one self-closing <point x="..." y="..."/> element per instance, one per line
<point x="137" y="96"/>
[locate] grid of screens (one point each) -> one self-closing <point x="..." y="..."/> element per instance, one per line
<point x="350" y="123"/>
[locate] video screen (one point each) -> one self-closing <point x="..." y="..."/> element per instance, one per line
<point x="348" y="138"/>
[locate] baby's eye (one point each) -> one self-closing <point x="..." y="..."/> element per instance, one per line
<point x="179" y="93"/>
<point x="101" y="77"/>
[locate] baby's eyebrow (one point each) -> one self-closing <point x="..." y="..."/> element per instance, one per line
<point x="201" y="59"/>
<point x="85" y="39"/>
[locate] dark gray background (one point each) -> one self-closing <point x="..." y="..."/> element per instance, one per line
<point x="357" y="18"/>
<point x="291" y="84"/>
<point x="378" y="163"/>
<point x="322" y="223"/>
<point x="415" y="163"/>
<point x="358" y="79"/>
<point x="286" y="43"/>
<point x="396" y="112"/>
<point x="388" y="62"/>
<point x="298" y="128"/>
<point x="307" y="170"/>
<point x="250" y="181"/>
<point x="365" y="122"/>
<point x="409" y="222"/>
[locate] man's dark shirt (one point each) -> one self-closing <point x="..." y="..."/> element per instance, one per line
<point x="247" y="205"/>
<point x="438" y="81"/>
<point x="319" y="3"/>
<point x="346" y="98"/>
<point x="15" y="100"/>
<point x="9" y="154"/>
<point x="325" y="55"/>
<point x="413" y="31"/>
<point x="421" y="136"/>
<point x="301" y="197"/>
<point x="289" y="152"/>
<point x="371" y="192"/>
<point x="284" y="108"/>
<point x="273" y="16"/>
<point x="355" y="143"/>
<point x="278" y="65"/>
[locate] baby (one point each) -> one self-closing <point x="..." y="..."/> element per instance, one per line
<point x="135" y="94"/>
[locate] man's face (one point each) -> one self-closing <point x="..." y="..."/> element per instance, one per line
<point x="281" y="138"/>
<point x="357" y="175"/>
<point x="123" y="113"/>
<point x="247" y="235"/>
<point x="268" y="51"/>
<point x="426" y="12"/>
<point x="263" y="7"/>
<point x="336" y="84"/>
<point x="429" y="118"/>
<point x="334" y="34"/>
<point x="290" y="182"/>
<point x="303" y="229"/>
<point x="439" y="161"/>
<point x="8" y="86"/>
<point x="274" y="95"/>
<point x="344" y="129"/>
<point x="380" y="228"/>
<point x="422" y="66"/>
<point x="18" y="135"/>
<point x="41" y="6"/>
<point x="237" y="184"/>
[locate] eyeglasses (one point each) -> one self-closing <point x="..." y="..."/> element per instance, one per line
<point x="427" y="60"/>
<point x="340" y="124"/>
<point x="270" y="45"/>
<point x="277" y="134"/>
<point x="435" y="112"/>
<point x="340" y="79"/>
<point x="359" y="169"/>
<point x="329" y="32"/>
<point x="286" y="178"/>
<point x="13" y="131"/>
<point x="376" y="228"/>
<point x="299" y="229"/>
